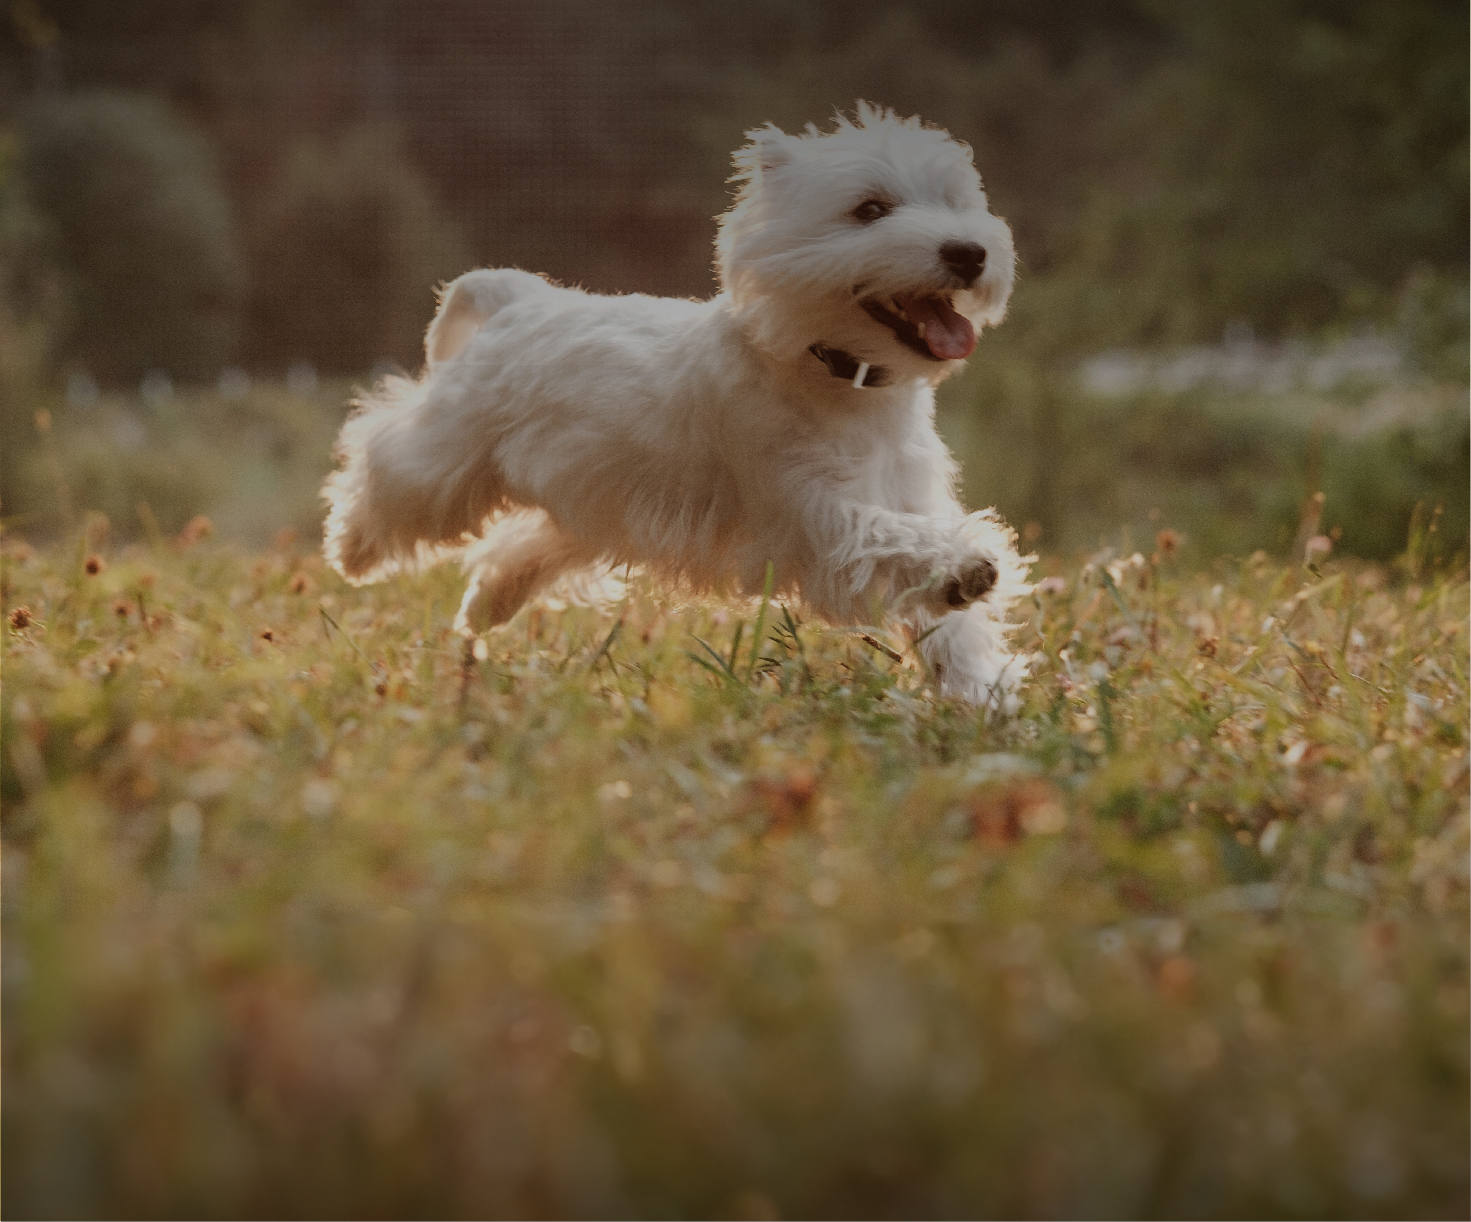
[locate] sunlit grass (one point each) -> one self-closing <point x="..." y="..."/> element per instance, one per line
<point x="312" y="909"/>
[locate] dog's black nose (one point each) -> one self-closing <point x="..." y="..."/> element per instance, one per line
<point x="965" y="259"/>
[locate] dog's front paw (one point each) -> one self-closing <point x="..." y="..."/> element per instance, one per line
<point x="971" y="583"/>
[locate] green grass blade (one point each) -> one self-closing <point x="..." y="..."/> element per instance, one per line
<point x="724" y="668"/>
<point x="735" y="646"/>
<point x="606" y="645"/>
<point x="1118" y="597"/>
<point x="758" y="633"/>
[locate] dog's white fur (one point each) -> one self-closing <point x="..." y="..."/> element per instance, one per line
<point x="572" y="432"/>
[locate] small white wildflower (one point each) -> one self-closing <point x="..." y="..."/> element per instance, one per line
<point x="319" y="797"/>
<point x="1170" y="936"/>
<point x="186" y="821"/>
<point x="586" y="1042"/>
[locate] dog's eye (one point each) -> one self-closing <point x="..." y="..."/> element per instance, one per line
<point x="871" y="210"/>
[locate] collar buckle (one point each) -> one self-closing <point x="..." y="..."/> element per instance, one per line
<point x="845" y="365"/>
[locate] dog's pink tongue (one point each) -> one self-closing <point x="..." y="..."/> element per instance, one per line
<point x="948" y="335"/>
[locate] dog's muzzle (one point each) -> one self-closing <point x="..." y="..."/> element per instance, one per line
<point x="926" y="323"/>
<point x="966" y="260"/>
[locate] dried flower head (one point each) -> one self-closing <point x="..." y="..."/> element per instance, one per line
<point x="787" y="799"/>
<point x="1177" y="977"/>
<point x="1168" y="542"/>
<point x="98" y="527"/>
<point x="122" y="608"/>
<point x="94" y="565"/>
<point x="195" y="529"/>
<point x="300" y="583"/>
<point x="267" y="635"/>
<point x="1002" y="814"/>
<point x="21" y="619"/>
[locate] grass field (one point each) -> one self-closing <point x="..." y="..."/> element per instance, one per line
<point x="309" y="910"/>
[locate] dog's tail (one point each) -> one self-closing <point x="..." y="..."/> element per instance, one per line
<point x="466" y="304"/>
<point x="375" y="525"/>
<point x="408" y="487"/>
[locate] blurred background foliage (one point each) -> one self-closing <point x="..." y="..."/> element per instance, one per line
<point x="1242" y="231"/>
<point x="141" y="233"/>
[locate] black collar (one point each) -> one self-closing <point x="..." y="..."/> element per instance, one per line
<point x="847" y="366"/>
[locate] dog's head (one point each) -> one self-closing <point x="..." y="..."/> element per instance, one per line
<point x="874" y="238"/>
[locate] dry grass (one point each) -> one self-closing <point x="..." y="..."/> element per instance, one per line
<point x="309" y="911"/>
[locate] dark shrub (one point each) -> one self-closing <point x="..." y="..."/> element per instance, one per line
<point x="345" y="252"/>
<point x="142" y="231"/>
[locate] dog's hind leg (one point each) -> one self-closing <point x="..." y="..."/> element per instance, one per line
<point x="467" y="303"/>
<point x="416" y="471"/>
<point x="519" y="555"/>
<point x="417" y="476"/>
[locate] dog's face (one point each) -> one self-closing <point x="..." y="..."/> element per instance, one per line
<point x="875" y="238"/>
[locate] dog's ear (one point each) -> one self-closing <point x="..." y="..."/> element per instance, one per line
<point x="769" y="149"/>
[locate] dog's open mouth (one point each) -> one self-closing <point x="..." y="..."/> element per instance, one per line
<point x="927" y="323"/>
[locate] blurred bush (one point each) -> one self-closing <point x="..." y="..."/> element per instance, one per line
<point x="1432" y="316"/>
<point x="141" y="231"/>
<point x="347" y="248"/>
<point x="1232" y="468"/>
<point x="1374" y="484"/>
<point x="1287" y="163"/>
<point x="251" y="463"/>
<point x="33" y="309"/>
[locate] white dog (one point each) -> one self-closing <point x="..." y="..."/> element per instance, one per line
<point x="789" y="420"/>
